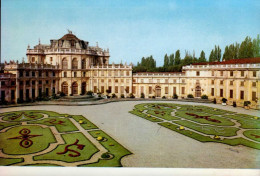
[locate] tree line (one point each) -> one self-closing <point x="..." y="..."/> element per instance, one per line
<point x="173" y="63"/>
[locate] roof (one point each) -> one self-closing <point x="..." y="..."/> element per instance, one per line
<point x="233" y="61"/>
<point x="69" y="37"/>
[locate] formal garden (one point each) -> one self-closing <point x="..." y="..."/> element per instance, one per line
<point x="202" y="123"/>
<point x="46" y="138"/>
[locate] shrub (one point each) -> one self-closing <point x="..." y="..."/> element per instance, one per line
<point x="122" y="96"/>
<point x="215" y="101"/>
<point x="190" y="96"/>
<point x="163" y="97"/>
<point x="234" y="104"/>
<point x="19" y="100"/>
<point x="142" y="95"/>
<point x="132" y="95"/>
<point x="99" y="95"/>
<point x="175" y="96"/>
<point x="113" y="95"/>
<point x="3" y="102"/>
<point x="62" y="94"/>
<point x="153" y="97"/>
<point x="224" y="100"/>
<point x="89" y="93"/>
<point x="246" y="103"/>
<point x="204" y="97"/>
<point x="105" y="155"/>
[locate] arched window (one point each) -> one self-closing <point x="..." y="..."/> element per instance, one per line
<point x="83" y="64"/>
<point x="64" y="63"/>
<point x="64" y="88"/>
<point x="74" y="63"/>
<point x="75" y="88"/>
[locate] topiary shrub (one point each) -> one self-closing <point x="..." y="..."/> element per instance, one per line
<point x="105" y="155"/>
<point x="62" y="94"/>
<point x="234" y="104"/>
<point x="190" y="96"/>
<point x="175" y="96"/>
<point x="142" y="95"/>
<point x="224" y="100"/>
<point x="132" y="95"/>
<point x="122" y="96"/>
<point x="215" y="101"/>
<point x="19" y="100"/>
<point x="153" y="97"/>
<point x="163" y="97"/>
<point x="246" y="103"/>
<point x="114" y="95"/>
<point x="90" y="93"/>
<point x="205" y="97"/>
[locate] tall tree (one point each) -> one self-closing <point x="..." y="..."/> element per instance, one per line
<point x="177" y="57"/>
<point x="166" y="61"/>
<point x="171" y="60"/>
<point x="256" y="46"/>
<point x="202" y="57"/>
<point x="246" y="49"/>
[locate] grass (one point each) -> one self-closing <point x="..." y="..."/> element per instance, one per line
<point x="113" y="147"/>
<point x="10" y="161"/>
<point x="203" y="125"/>
<point x="210" y="130"/>
<point x="253" y="134"/>
<point x="20" y="116"/>
<point x="12" y="146"/>
<point x="87" y="125"/>
<point x="5" y="125"/>
<point x="224" y="121"/>
<point x="70" y="138"/>
<point x="140" y="114"/>
<point x="66" y="126"/>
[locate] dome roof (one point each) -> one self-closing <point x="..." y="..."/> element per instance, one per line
<point x="69" y="37"/>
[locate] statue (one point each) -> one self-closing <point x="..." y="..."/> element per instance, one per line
<point x="69" y="31"/>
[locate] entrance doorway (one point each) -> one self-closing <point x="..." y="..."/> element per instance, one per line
<point x="75" y="88"/>
<point x="198" y="91"/>
<point x="158" y="91"/>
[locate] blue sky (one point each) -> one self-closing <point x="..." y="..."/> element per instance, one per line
<point x="130" y="29"/>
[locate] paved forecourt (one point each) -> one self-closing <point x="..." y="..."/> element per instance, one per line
<point x="154" y="145"/>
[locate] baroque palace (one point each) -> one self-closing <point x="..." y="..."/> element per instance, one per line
<point x="71" y="66"/>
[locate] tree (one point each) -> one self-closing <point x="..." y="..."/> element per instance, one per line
<point x="166" y="61"/>
<point x="171" y="60"/>
<point x="188" y="59"/>
<point x="202" y="57"/>
<point x="177" y="58"/>
<point x="246" y="49"/>
<point x="256" y="46"/>
<point x="215" y="54"/>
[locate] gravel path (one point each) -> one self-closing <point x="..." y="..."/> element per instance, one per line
<point x="156" y="146"/>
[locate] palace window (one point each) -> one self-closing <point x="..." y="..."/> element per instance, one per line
<point x="212" y="82"/>
<point x="102" y="89"/>
<point x="122" y="73"/>
<point x="198" y="73"/>
<point x="166" y="80"/>
<point x="102" y="73"/>
<point x="242" y="95"/>
<point x="212" y="91"/>
<point x="95" y="73"/>
<point x="254" y="73"/>
<point x="64" y="63"/>
<point x="150" y="90"/>
<point x="95" y="89"/>
<point x="166" y="90"/>
<point x="53" y="74"/>
<point x="27" y="83"/>
<point x="174" y="81"/>
<point x="21" y="73"/>
<point x="127" y="89"/>
<point x="47" y="74"/>
<point x="254" y="84"/>
<point x="84" y="74"/>
<point x="102" y="80"/>
<point x="116" y="73"/>
<point x="109" y="73"/>
<point x="242" y="73"/>
<point x="221" y="73"/>
<point x="231" y="73"/>
<point x="127" y="73"/>
<point x="122" y="80"/>
<point x="231" y="83"/>
<point x="47" y="82"/>
<point x="2" y="83"/>
<point x="53" y="81"/>
<point x="134" y="80"/>
<point x="65" y="74"/>
<point x="116" y="89"/>
<point x="75" y="74"/>
<point x="83" y="64"/>
<point x="116" y="80"/>
<point x="33" y="74"/>
<point x="183" y="90"/>
<point x="74" y="63"/>
<point x="51" y="59"/>
<point x="33" y="82"/>
<point x="183" y="80"/>
<point x="40" y="82"/>
<point x="27" y="73"/>
<point x="128" y="80"/>
<point x="221" y="82"/>
<point x="13" y="83"/>
<point x="221" y="92"/>
<point x="253" y="96"/>
<point x="40" y="74"/>
<point x="174" y="90"/>
<point x="212" y="73"/>
<point x="21" y="83"/>
<point x="230" y="93"/>
<point x="242" y="83"/>
<point x="109" y="80"/>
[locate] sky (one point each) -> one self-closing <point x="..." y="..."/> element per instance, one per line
<point x="130" y="29"/>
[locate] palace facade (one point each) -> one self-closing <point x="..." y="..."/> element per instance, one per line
<point x="71" y="66"/>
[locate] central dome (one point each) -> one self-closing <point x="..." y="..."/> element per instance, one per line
<point x="69" y="37"/>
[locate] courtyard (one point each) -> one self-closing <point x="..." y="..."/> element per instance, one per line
<point x="131" y="134"/>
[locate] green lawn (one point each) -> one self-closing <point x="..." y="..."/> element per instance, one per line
<point x="253" y="134"/>
<point x="246" y="121"/>
<point x="13" y="147"/>
<point x="71" y="138"/>
<point x="113" y="147"/>
<point x="5" y="125"/>
<point x="62" y="124"/>
<point x="87" y="125"/>
<point x="20" y="116"/>
<point x="10" y="161"/>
